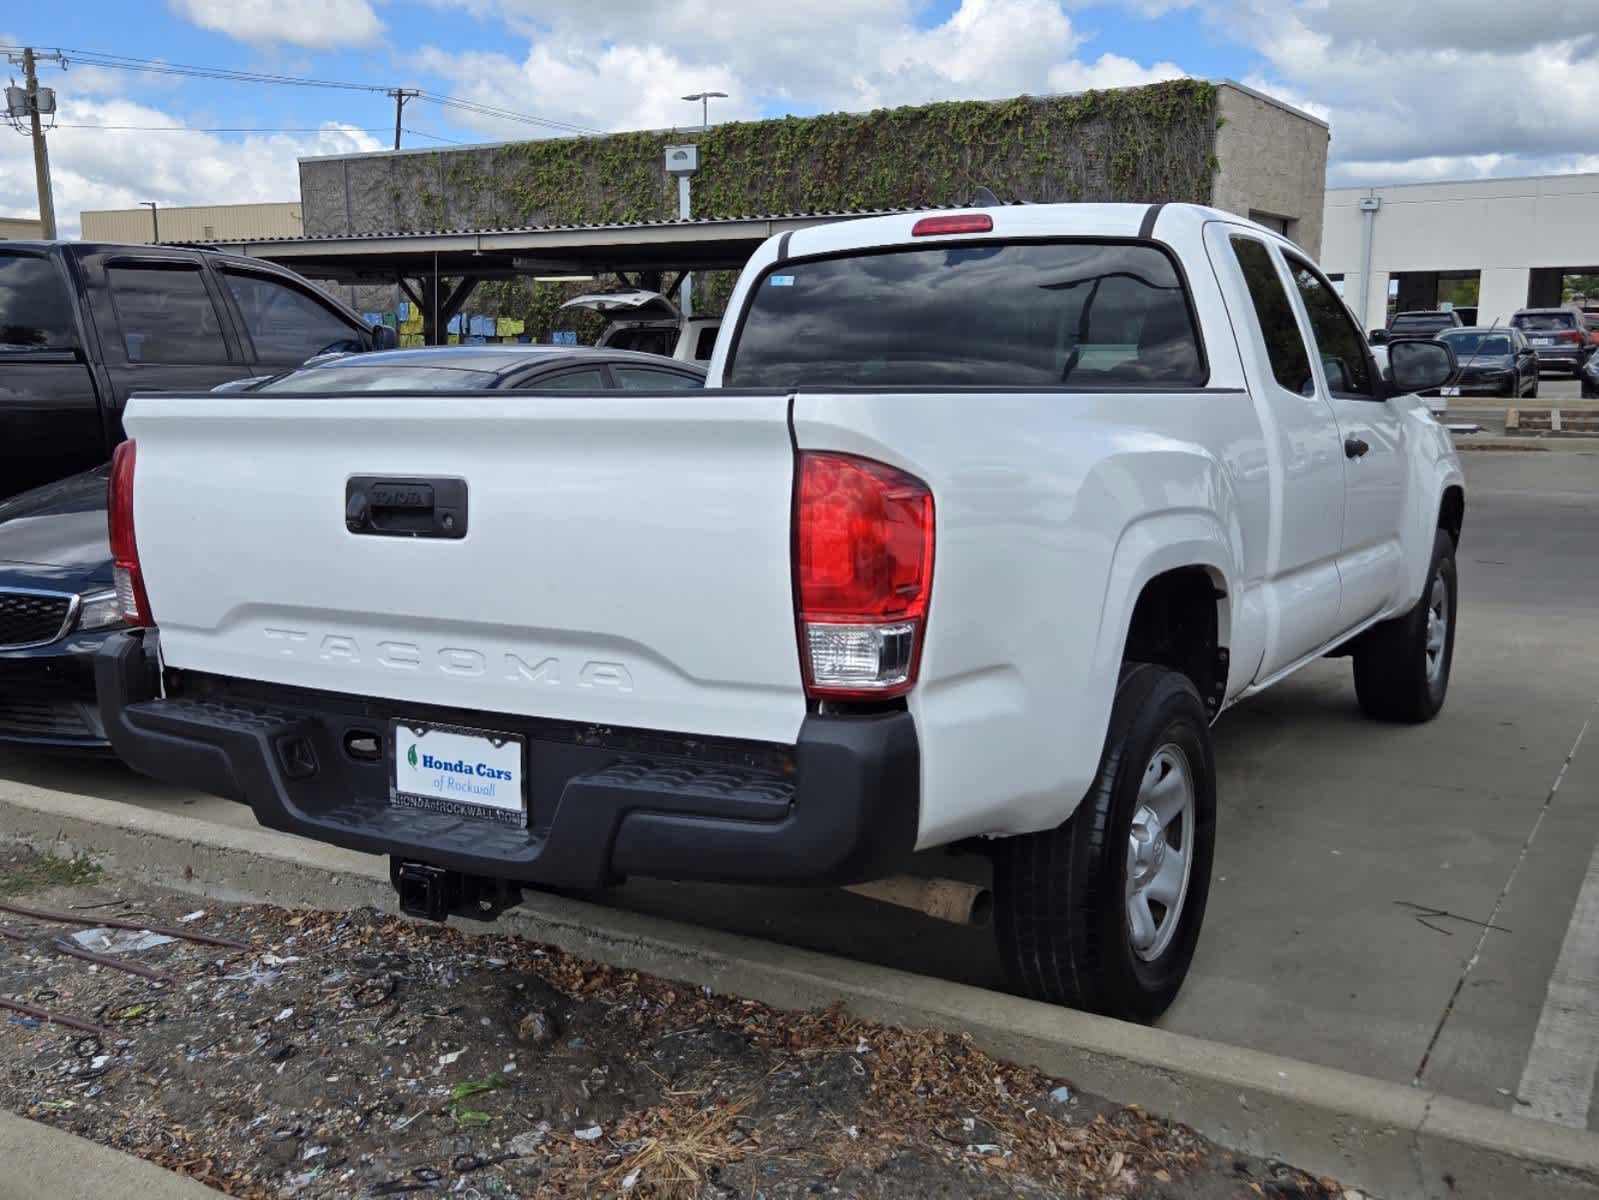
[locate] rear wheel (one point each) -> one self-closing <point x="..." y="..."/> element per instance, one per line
<point x="1103" y="913"/>
<point x="1402" y="666"/>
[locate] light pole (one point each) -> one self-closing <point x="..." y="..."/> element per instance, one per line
<point x="155" y="221"/>
<point x="683" y="162"/>
<point x="705" y="99"/>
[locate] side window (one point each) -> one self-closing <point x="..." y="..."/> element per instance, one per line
<point x="1343" y="350"/>
<point x="35" y="307"/>
<point x="285" y="324"/>
<point x="648" y="379"/>
<point x="1285" y="347"/>
<point x="587" y="379"/>
<point x="166" y="315"/>
<point x="706" y="343"/>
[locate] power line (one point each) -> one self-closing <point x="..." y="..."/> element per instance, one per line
<point x="434" y="136"/>
<point x="123" y="62"/>
<point x="233" y="129"/>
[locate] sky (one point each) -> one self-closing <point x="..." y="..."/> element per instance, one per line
<point x="1480" y="88"/>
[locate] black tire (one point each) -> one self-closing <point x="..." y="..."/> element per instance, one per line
<point x="1060" y="895"/>
<point x="1393" y="677"/>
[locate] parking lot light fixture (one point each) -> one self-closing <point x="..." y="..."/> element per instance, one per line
<point x="705" y="99"/>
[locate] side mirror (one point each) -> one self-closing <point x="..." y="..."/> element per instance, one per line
<point x="385" y="338"/>
<point x="1378" y="337"/>
<point x="1418" y="365"/>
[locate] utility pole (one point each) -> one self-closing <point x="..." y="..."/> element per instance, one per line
<point x="37" y="100"/>
<point x="155" y="223"/>
<point x="401" y="95"/>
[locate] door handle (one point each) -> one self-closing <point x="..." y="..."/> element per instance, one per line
<point x="387" y="506"/>
<point x="1355" y="447"/>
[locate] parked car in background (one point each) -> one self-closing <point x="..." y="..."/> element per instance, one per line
<point x="650" y="323"/>
<point x="1423" y="322"/>
<point x="1559" y="337"/>
<point x="1494" y="361"/>
<point x="56" y="597"/>
<point x="1590" y="313"/>
<point x="83" y="325"/>
<point x="540" y="367"/>
<point x="57" y="603"/>
<point x="1590" y="378"/>
<point x="985" y="518"/>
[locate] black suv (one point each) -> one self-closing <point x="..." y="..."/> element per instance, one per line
<point x="84" y="325"/>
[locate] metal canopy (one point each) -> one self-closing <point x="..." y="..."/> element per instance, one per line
<point x="647" y="246"/>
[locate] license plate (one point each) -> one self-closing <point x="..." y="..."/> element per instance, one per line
<point x="1449" y="391"/>
<point x="464" y="772"/>
<point x="1543" y="341"/>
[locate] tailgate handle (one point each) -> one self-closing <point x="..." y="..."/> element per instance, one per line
<point x="402" y="506"/>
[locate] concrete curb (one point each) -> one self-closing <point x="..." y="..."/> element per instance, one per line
<point x="1386" y="1138"/>
<point x="42" y="1161"/>
<point x="1527" y="442"/>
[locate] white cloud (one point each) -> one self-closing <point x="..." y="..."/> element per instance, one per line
<point x="95" y="168"/>
<point x="1418" y="92"/>
<point x="608" y="64"/>
<point x="318" y="24"/>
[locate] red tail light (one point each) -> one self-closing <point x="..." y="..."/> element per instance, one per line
<point x="1572" y="336"/>
<point x="863" y="540"/>
<point x="124" y="549"/>
<point x="959" y="223"/>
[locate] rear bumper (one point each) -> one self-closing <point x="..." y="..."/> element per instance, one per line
<point x="47" y="695"/>
<point x="839" y="806"/>
<point x="1561" y="356"/>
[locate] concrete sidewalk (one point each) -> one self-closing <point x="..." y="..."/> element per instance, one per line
<point x="1388" y="1139"/>
<point x="44" y="1163"/>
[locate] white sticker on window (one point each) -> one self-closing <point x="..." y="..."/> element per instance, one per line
<point x="782" y="281"/>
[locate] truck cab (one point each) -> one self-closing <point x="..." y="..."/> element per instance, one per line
<point x="85" y="325"/>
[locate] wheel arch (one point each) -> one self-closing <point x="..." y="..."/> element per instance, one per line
<point x="1172" y="599"/>
<point x="1452" y="511"/>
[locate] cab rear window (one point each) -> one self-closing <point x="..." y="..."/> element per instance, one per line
<point x="1035" y="315"/>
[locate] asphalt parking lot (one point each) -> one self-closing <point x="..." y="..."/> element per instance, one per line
<point x="1391" y="901"/>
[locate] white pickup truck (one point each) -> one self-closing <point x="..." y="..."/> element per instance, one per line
<point x="983" y="519"/>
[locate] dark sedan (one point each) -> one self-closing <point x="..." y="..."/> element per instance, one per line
<point x="1493" y="362"/>
<point x="539" y="368"/>
<point x="56" y="598"/>
<point x="56" y="607"/>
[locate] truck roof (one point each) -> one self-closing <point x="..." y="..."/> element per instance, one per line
<point x="1020" y="221"/>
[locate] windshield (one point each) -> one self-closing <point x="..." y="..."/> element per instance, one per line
<point x="352" y="377"/>
<point x="1483" y="345"/>
<point x="978" y="314"/>
<point x="1544" y="321"/>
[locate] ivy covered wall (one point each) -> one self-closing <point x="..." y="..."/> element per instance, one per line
<point x="1137" y="144"/>
<point x="1148" y="143"/>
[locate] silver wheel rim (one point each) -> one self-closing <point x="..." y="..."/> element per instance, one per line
<point x="1159" y="852"/>
<point x="1437" y="628"/>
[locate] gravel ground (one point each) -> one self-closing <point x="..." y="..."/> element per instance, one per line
<point x="356" y="1054"/>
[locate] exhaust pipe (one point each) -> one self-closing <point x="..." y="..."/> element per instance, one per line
<point x="946" y="899"/>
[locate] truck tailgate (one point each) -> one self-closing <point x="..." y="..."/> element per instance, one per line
<point x="626" y="560"/>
